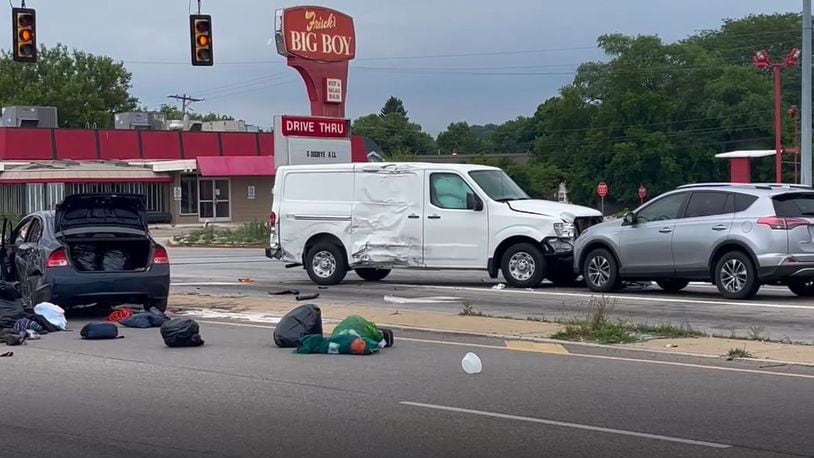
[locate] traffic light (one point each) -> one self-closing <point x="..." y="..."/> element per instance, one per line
<point x="201" y="34"/>
<point x="25" y="34"/>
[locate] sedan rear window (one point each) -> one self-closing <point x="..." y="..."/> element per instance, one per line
<point x="794" y="205"/>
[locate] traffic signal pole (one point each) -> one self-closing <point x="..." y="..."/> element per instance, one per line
<point x="778" y="126"/>
<point x="805" y="121"/>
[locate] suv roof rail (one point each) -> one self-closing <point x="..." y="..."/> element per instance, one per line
<point x="714" y="185"/>
<point x="745" y="185"/>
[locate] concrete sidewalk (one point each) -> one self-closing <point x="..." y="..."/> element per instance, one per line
<point x="272" y="308"/>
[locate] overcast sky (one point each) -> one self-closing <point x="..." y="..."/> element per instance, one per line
<point x="251" y="81"/>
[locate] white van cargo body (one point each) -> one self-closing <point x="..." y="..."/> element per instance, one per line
<point x="374" y="217"/>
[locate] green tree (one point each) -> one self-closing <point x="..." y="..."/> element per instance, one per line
<point x="459" y="138"/>
<point x="86" y="89"/>
<point x="393" y="105"/>
<point x="394" y="132"/>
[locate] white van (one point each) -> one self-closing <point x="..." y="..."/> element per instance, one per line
<point x="374" y="217"/>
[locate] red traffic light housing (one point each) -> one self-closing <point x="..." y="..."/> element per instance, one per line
<point x="24" y="41"/>
<point x="200" y="29"/>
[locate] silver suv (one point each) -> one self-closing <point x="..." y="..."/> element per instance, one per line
<point x="737" y="237"/>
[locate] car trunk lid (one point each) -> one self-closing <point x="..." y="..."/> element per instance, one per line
<point x="117" y="213"/>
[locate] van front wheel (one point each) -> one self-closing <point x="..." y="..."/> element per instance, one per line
<point x="372" y="274"/>
<point x="325" y="264"/>
<point x="523" y="265"/>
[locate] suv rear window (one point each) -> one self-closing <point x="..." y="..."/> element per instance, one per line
<point x="794" y="205"/>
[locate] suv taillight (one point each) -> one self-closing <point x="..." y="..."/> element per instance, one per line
<point x="57" y="259"/>
<point x="783" y="224"/>
<point x="272" y="220"/>
<point x="160" y="256"/>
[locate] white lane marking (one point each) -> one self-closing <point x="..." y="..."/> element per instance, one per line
<point x="209" y="283"/>
<point x="576" y="355"/>
<point x="625" y="297"/>
<point x="421" y="300"/>
<point x="564" y="424"/>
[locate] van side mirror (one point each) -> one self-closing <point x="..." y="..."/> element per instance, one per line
<point x="630" y="219"/>
<point x="473" y="202"/>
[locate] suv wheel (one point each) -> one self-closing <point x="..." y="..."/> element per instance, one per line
<point x="803" y="287"/>
<point x="325" y="264"/>
<point x="523" y="265"/>
<point x="672" y="285"/>
<point x="736" y="276"/>
<point x="601" y="271"/>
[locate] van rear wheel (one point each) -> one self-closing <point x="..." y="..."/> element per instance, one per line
<point x="325" y="264"/>
<point x="523" y="265"/>
<point x="372" y="274"/>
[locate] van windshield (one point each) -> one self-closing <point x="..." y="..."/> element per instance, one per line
<point x="498" y="186"/>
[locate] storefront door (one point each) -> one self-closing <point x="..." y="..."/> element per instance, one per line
<point x="214" y="202"/>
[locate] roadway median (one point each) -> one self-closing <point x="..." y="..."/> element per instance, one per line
<point x="593" y="329"/>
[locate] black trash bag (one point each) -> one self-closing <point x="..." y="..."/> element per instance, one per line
<point x="84" y="257"/>
<point x="181" y="332"/>
<point x="9" y="291"/>
<point x="114" y="260"/>
<point x="145" y="320"/>
<point x="303" y="321"/>
<point x="10" y="312"/>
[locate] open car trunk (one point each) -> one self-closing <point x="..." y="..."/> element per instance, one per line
<point x="109" y="254"/>
<point x="104" y="232"/>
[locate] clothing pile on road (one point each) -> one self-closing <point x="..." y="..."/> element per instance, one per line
<point x="18" y="324"/>
<point x="301" y="328"/>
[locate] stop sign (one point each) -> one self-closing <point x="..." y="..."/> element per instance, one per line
<point x="602" y="189"/>
<point x="642" y="192"/>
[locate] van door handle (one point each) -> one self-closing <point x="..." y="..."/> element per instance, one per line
<point x="720" y="227"/>
<point x="413" y="216"/>
<point x="434" y="217"/>
<point x="665" y="230"/>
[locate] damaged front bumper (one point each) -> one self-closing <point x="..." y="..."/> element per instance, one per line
<point x="559" y="247"/>
<point x="273" y="253"/>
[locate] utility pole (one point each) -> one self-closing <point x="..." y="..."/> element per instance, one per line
<point x="805" y="122"/>
<point x="186" y="101"/>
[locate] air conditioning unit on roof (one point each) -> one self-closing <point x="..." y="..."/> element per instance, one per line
<point x="30" y="117"/>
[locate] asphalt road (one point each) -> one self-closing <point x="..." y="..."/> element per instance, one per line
<point x="776" y="313"/>
<point x="240" y="396"/>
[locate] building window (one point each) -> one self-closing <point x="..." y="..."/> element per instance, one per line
<point x="189" y="195"/>
<point x="155" y="194"/>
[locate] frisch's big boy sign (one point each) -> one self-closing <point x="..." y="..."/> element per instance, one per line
<point x="315" y="33"/>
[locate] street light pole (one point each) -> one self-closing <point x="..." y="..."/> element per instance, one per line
<point x="805" y="121"/>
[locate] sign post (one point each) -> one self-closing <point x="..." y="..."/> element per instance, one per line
<point x="602" y="191"/>
<point x="642" y="194"/>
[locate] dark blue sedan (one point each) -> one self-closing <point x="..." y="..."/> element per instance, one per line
<point x="93" y="249"/>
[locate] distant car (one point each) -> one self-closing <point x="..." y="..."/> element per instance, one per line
<point x="94" y="249"/>
<point x="737" y="237"/>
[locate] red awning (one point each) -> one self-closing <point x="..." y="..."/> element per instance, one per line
<point x="236" y="166"/>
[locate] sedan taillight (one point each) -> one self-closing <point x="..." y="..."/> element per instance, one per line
<point x="57" y="259"/>
<point x="160" y="256"/>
